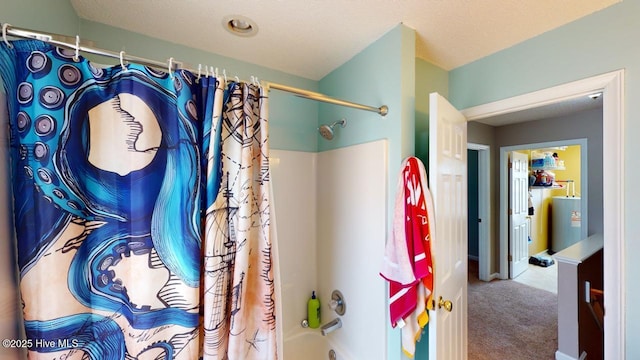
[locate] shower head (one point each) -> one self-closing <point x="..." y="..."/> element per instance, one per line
<point x="326" y="131"/>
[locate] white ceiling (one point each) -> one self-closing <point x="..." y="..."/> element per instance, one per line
<point x="310" y="38"/>
<point x="554" y="110"/>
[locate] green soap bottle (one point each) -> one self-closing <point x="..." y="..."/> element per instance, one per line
<point x="313" y="311"/>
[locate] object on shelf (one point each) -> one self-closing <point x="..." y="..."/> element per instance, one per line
<point x="550" y="160"/>
<point x="546" y="161"/>
<point x="544" y="178"/>
<point x="537" y="160"/>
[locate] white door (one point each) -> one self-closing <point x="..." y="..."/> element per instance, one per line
<point x="518" y="213"/>
<point x="448" y="184"/>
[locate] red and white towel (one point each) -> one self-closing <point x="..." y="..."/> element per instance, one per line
<point x="407" y="262"/>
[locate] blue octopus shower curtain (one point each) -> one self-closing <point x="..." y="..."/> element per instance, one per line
<point x="113" y="171"/>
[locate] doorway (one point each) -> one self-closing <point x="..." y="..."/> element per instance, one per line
<point x="611" y="84"/>
<point x="479" y="216"/>
<point x="543" y="193"/>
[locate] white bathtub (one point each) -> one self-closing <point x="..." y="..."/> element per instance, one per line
<point x="311" y="345"/>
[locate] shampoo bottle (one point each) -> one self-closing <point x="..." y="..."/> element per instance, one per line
<point x="313" y="311"/>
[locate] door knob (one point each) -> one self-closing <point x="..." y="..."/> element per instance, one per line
<point x="447" y="304"/>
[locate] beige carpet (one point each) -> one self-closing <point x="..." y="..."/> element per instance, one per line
<point x="511" y="321"/>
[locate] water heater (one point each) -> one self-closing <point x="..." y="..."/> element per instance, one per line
<point x="566" y="222"/>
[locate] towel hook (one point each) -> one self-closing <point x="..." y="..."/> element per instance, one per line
<point x="124" y="68"/>
<point x="76" y="57"/>
<point x="4" y="35"/>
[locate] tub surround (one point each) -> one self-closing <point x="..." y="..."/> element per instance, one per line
<point x="331" y="214"/>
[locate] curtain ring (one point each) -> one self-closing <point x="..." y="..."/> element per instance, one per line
<point x="124" y="68"/>
<point x="199" y="72"/>
<point x="76" y="57"/>
<point x="4" y="35"/>
<point x="171" y="68"/>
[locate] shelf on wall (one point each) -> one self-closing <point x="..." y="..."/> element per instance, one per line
<point x="548" y="168"/>
<point x="552" y="149"/>
<point x="551" y="187"/>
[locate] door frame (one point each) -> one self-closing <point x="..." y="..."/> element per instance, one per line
<point x="505" y="193"/>
<point x="484" y="210"/>
<point x="612" y="86"/>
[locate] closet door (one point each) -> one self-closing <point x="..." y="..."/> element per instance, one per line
<point x="518" y="213"/>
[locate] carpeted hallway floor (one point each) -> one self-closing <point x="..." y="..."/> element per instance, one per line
<point x="511" y="321"/>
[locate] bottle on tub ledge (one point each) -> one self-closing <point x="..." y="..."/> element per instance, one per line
<point x="313" y="311"/>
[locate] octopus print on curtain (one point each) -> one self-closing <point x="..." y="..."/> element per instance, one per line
<point x="239" y="283"/>
<point x="107" y="188"/>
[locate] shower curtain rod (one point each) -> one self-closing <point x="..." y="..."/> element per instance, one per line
<point x="74" y="43"/>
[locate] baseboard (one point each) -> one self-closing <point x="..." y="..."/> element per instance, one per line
<point x="494" y="276"/>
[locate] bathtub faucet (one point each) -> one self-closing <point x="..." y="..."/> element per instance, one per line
<point x="333" y="325"/>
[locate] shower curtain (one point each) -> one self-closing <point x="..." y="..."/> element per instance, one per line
<point x="115" y="170"/>
<point x="238" y="257"/>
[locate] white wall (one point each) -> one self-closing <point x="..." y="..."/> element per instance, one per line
<point x="351" y="236"/>
<point x="293" y="178"/>
<point x="331" y="224"/>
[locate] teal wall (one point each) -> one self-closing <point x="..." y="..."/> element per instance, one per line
<point x="602" y="42"/>
<point x="382" y="74"/>
<point x="292" y="121"/>
<point x="55" y="16"/>
<point x="429" y="78"/>
<point x="472" y="201"/>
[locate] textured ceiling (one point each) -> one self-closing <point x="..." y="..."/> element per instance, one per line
<point x="310" y="38"/>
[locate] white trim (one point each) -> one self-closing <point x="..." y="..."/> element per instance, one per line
<point x="542" y="97"/>
<point x="612" y="85"/>
<point x="484" y="209"/>
<point x="614" y="225"/>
